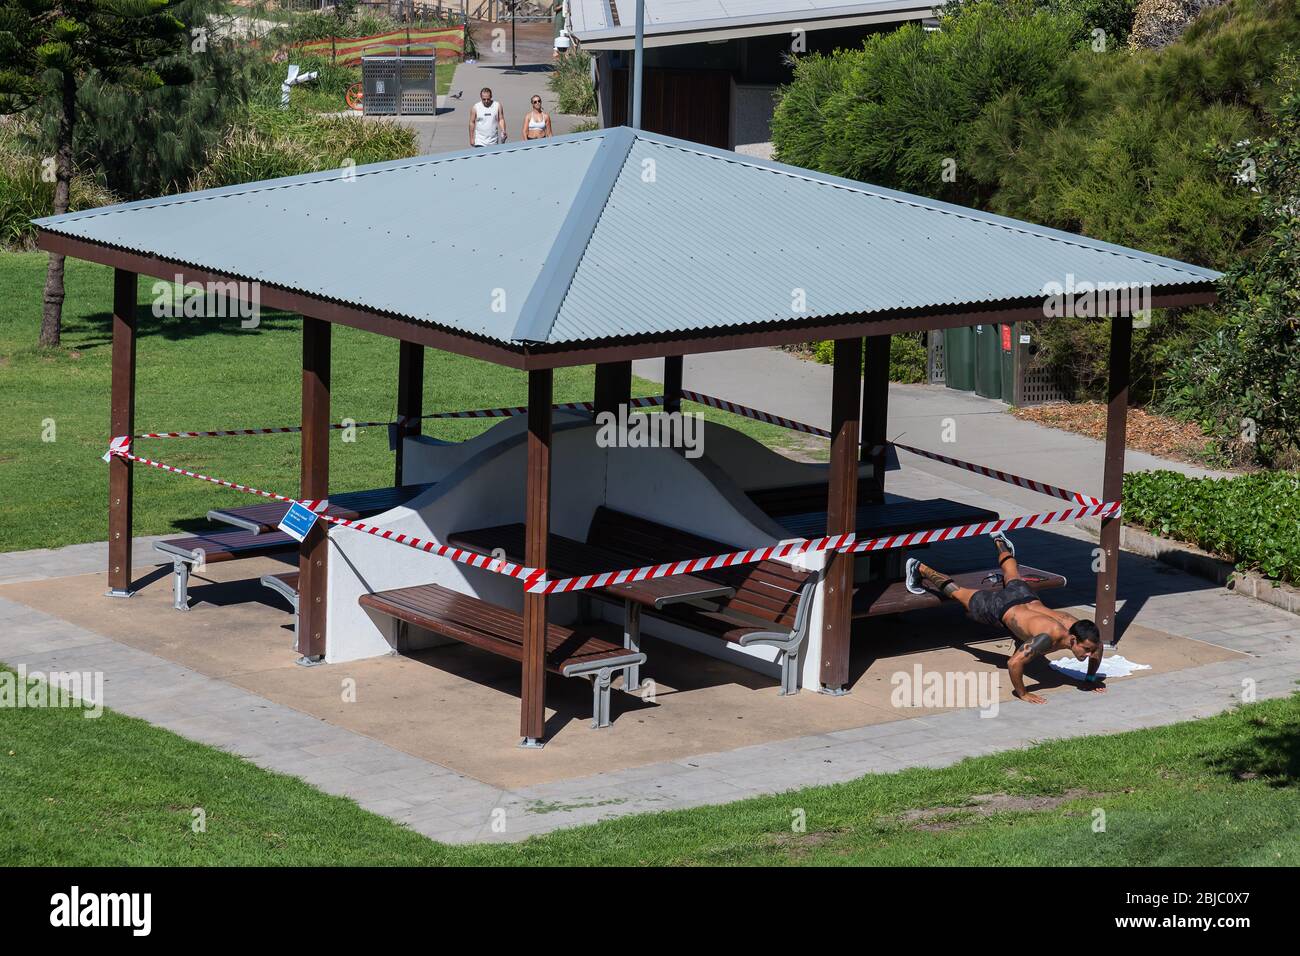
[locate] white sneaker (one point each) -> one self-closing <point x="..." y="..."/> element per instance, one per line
<point x="1002" y="536"/>
<point x="912" y="579"/>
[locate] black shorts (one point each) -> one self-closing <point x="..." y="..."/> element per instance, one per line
<point x="990" y="606"/>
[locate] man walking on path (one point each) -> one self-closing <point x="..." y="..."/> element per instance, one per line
<point x="487" y="121"/>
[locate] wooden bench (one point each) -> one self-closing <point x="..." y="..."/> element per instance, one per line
<point x="579" y="651"/>
<point x="285" y="585"/>
<point x="199" y="550"/>
<point x="891" y="517"/>
<point x="771" y="604"/>
<point x="882" y="597"/>
<point x="351" y="505"/>
<point x="796" y="499"/>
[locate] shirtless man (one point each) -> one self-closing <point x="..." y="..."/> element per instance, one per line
<point x="1037" y="629"/>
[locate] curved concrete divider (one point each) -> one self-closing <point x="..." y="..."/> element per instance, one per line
<point x="483" y="485"/>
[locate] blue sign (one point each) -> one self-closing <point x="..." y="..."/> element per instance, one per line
<point x="298" y="520"/>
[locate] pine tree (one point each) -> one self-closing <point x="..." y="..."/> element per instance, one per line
<point x="50" y="48"/>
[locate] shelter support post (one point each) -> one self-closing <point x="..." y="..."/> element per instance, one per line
<point x="613" y="386"/>
<point x="537" y="525"/>
<point x="121" y="422"/>
<point x="410" y="398"/>
<point x="875" y="410"/>
<point x="1112" y="483"/>
<point x="841" y="514"/>
<point x="313" y="553"/>
<point x="673" y="383"/>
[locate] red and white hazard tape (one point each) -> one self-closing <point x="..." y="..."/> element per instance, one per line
<point x="746" y="412"/>
<point x="1100" y="509"/>
<point x="508" y="412"/>
<point x="1038" y="486"/>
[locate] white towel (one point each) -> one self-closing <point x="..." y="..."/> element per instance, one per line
<point x="1113" y="665"/>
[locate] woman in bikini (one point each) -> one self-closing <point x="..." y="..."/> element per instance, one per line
<point x="537" y="125"/>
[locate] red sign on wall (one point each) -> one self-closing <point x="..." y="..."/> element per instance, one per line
<point x="1006" y="338"/>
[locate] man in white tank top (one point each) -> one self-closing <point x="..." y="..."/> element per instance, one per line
<point x="487" y="121"/>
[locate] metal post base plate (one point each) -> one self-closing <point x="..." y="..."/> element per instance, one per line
<point x="832" y="691"/>
<point x="118" y="594"/>
<point x="531" y="743"/>
<point x="306" y="661"/>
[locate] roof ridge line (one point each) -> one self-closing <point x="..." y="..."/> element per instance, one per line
<point x="932" y="205"/>
<point x="538" y="313"/>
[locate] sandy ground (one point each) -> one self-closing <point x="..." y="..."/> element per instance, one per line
<point x="458" y="707"/>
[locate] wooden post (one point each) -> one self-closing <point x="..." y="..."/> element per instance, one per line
<point x="537" y="524"/>
<point x="1112" y="482"/>
<point x="410" y="398"/>
<point x="613" y="386"/>
<point x="673" y="383"/>
<point x="121" y="422"/>
<point x="875" y="410"/>
<point x="314" y="550"/>
<point x="841" y="513"/>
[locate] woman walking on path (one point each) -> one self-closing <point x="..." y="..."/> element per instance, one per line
<point x="537" y="124"/>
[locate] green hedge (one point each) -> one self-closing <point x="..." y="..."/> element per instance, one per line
<point x="1250" y="520"/>
<point x="907" y="357"/>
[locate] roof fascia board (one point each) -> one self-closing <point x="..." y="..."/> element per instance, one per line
<point x="845" y="327"/>
<point x="537" y="316"/>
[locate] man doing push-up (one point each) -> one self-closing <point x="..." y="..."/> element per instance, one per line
<point x="1037" y="629"/>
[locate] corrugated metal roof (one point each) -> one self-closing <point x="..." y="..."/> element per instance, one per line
<point x="594" y="22"/>
<point x="611" y="234"/>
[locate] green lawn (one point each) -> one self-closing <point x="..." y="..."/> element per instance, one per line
<point x="198" y="374"/>
<point x="1222" y="791"/>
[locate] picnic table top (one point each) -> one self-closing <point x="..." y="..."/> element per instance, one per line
<point x="265" y="518"/>
<point x="573" y="558"/>
<point x="891" y="517"/>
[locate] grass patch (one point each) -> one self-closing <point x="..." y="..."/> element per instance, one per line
<point x="1220" y="791"/>
<point x="205" y="374"/>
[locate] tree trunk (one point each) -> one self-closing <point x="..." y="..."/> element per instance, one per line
<point x="52" y="315"/>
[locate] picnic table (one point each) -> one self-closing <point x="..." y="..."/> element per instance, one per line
<point x="572" y="558"/>
<point x="350" y="505"/>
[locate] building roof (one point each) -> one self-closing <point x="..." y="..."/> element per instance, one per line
<point x="609" y="24"/>
<point x="610" y="236"/>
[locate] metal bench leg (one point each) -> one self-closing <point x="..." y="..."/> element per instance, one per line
<point x="631" y="641"/>
<point x="600" y="682"/>
<point x="789" y="672"/>
<point x="181" y="584"/>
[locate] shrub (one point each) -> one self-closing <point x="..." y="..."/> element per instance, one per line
<point x="908" y="359"/>
<point x="274" y="142"/>
<point x="1248" y="520"/>
<point x="24" y="192"/>
<point x="570" y="81"/>
<point x="899" y="111"/>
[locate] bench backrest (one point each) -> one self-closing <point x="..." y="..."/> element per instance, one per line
<point x="766" y="591"/>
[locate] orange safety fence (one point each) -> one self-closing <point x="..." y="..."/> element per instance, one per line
<point x="443" y="42"/>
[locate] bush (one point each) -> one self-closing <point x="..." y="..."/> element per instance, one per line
<point x="570" y="81"/>
<point x="908" y="359"/>
<point x="274" y="142"/>
<point x="900" y="111"/>
<point x="24" y="192"/>
<point x="1248" y="520"/>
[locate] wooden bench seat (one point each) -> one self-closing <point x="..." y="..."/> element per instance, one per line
<point x="265" y="518"/>
<point x="771" y="603"/>
<point x="880" y="597"/>
<point x="585" y="650"/>
<point x="196" y="551"/>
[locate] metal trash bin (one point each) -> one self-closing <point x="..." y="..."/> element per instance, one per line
<point x="399" y="86"/>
